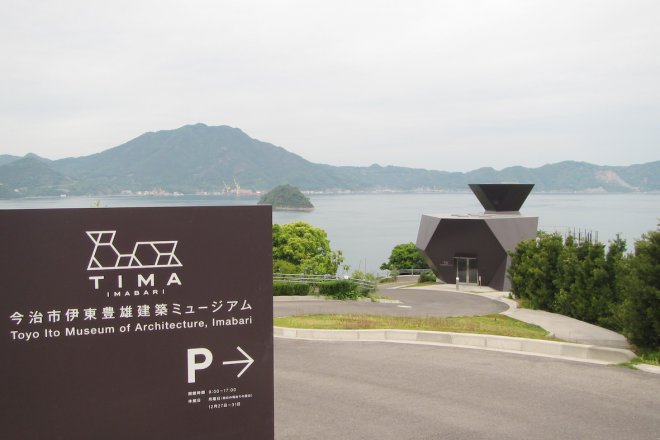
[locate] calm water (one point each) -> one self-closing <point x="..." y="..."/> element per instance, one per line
<point x="366" y="226"/>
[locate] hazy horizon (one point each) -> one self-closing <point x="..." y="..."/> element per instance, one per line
<point x="383" y="165"/>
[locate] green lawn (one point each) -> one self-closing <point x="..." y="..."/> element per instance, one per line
<point x="490" y="324"/>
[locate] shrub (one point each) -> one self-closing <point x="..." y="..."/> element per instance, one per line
<point x="640" y="283"/>
<point x="533" y="270"/>
<point x="290" y="289"/>
<point x="585" y="281"/>
<point x="426" y="277"/>
<point x="364" y="291"/>
<point x="339" y="289"/>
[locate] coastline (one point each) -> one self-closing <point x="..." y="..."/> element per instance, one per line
<point x="327" y="192"/>
<point x="292" y="208"/>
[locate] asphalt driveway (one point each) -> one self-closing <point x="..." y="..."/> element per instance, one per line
<point x="371" y="390"/>
<point x="412" y="302"/>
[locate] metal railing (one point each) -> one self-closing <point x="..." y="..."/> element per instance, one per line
<point x="319" y="279"/>
<point x="579" y="234"/>
<point x="411" y="271"/>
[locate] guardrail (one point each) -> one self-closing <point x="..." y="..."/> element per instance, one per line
<point x="411" y="271"/>
<point x="318" y="279"/>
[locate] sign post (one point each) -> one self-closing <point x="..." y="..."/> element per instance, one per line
<point x="136" y="323"/>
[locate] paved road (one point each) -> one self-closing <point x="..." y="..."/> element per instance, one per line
<point x="413" y="303"/>
<point x="357" y="390"/>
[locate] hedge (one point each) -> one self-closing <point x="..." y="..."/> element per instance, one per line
<point x="593" y="283"/>
<point x="340" y="289"/>
<point x="290" y="289"/>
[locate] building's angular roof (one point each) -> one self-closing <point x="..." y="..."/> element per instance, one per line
<point x="501" y="197"/>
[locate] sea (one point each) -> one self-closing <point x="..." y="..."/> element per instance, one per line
<point x="365" y="227"/>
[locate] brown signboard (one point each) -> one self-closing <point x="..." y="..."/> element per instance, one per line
<point x="136" y="323"/>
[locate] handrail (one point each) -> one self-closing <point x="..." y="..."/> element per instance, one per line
<point x="411" y="271"/>
<point x="318" y="279"/>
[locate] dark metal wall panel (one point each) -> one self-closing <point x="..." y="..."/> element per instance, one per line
<point x="511" y="231"/>
<point x="488" y="239"/>
<point x="464" y="237"/>
<point x="501" y="197"/>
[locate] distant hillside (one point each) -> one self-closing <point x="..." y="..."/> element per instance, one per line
<point x="31" y="176"/>
<point x="6" y="158"/>
<point x="193" y="158"/>
<point x="197" y="158"/>
<point x="576" y="176"/>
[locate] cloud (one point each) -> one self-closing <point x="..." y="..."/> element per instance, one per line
<point x="432" y="84"/>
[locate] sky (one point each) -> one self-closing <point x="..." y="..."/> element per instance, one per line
<point x="447" y="85"/>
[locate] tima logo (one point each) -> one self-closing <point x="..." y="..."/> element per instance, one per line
<point x="145" y="254"/>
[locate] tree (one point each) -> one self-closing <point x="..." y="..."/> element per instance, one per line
<point x="592" y="289"/>
<point x="405" y="256"/>
<point x="567" y="268"/>
<point x="611" y="289"/>
<point x="640" y="285"/>
<point x="301" y="248"/>
<point x="616" y="259"/>
<point x="286" y="196"/>
<point x="533" y="270"/>
<point x="567" y="277"/>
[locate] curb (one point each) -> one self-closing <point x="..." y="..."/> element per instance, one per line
<point x="535" y="347"/>
<point x="288" y="298"/>
<point x="310" y="298"/>
<point x="648" y="368"/>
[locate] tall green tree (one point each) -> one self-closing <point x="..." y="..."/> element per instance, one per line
<point x="533" y="270"/>
<point x="616" y="259"/>
<point x="592" y="289"/>
<point x="567" y="268"/>
<point x="404" y="256"/>
<point x="302" y="248"/>
<point x="640" y="286"/>
<point x="583" y="280"/>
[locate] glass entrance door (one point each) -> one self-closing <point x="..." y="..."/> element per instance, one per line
<point x="467" y="270"/>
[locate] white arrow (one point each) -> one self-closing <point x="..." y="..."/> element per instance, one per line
<point x="247" y="361"/>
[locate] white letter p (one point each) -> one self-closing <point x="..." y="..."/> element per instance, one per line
<point x="194" y="366"/>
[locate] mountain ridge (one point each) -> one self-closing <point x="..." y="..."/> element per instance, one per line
<point x="201" y="158"/>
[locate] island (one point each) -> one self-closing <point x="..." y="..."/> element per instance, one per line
<point x="286" y="198"/>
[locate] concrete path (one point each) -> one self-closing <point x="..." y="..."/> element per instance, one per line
<point x="562" y="327"/>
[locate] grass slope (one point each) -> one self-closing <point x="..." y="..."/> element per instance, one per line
<point x="490" y="324"/>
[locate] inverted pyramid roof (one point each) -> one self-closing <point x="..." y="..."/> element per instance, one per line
<point x="501" y="197"/>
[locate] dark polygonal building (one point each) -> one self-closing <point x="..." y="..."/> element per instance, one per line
<point x="474" y="247"/>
